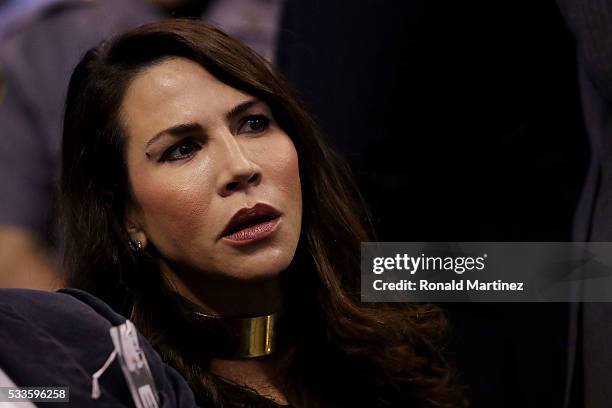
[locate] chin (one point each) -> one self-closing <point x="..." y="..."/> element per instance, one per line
<point x="257" y="272"/>
<point x="259" y="267"/>
<point x="261" y="264"/>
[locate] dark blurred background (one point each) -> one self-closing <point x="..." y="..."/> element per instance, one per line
<point x="463" y="122"/>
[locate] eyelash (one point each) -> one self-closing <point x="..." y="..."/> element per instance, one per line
<point x="264" y="123"/>
<point x="166" y="156"/>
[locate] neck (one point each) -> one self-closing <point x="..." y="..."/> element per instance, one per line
<point x="239" y="318"/>
<point x="229" y="297"/>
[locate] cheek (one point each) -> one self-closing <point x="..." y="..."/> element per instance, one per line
<point x="281" y="162"/>
<point x="170" y="200"/>
<point x="283" y="167"/>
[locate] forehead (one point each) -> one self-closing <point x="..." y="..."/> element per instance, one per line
<point x="174" y="91"/>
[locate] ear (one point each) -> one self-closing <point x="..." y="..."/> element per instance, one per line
<point x="135" y="230"/>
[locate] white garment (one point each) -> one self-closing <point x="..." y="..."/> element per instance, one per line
<point x="5" y="381"/>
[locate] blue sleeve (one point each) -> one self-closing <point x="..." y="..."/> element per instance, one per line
<point x="26" y="174"/>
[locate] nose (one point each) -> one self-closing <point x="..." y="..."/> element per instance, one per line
<point x="239" y="173"/>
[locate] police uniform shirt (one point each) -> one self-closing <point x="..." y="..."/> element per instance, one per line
<point x="38" y="52"/>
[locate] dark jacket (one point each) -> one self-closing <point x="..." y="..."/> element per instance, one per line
<point x="61" y="339"/>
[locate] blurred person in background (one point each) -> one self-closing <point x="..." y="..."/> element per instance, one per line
<point x="9" y="9"/>
<point x="39" y="46"/>
<point x="591" y="359"/>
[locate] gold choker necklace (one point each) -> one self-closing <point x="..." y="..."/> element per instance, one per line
<point x="242" y="337"/>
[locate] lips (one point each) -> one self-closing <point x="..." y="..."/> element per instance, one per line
<point x="250" y="224"/>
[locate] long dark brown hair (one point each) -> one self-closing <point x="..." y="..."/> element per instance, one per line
<point x="345" y="353"/>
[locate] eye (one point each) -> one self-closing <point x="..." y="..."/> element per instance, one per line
<point x="180" y="151"/>
<point x="254" y="124"/>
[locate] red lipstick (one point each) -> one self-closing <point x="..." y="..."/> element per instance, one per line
<point x="251" y="224"/>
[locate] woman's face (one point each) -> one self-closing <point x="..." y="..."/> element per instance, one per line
<point x="214" y="179"/>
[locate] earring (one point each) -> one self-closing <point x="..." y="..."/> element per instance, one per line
<point x="136" y="246"/>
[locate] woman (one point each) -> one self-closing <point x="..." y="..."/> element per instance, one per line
<point x="201" y="200"/>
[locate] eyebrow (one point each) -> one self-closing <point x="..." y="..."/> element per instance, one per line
<point x="186" y="128"/>
<point x="178" y="130"/>
<point x="241" y="108"/>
